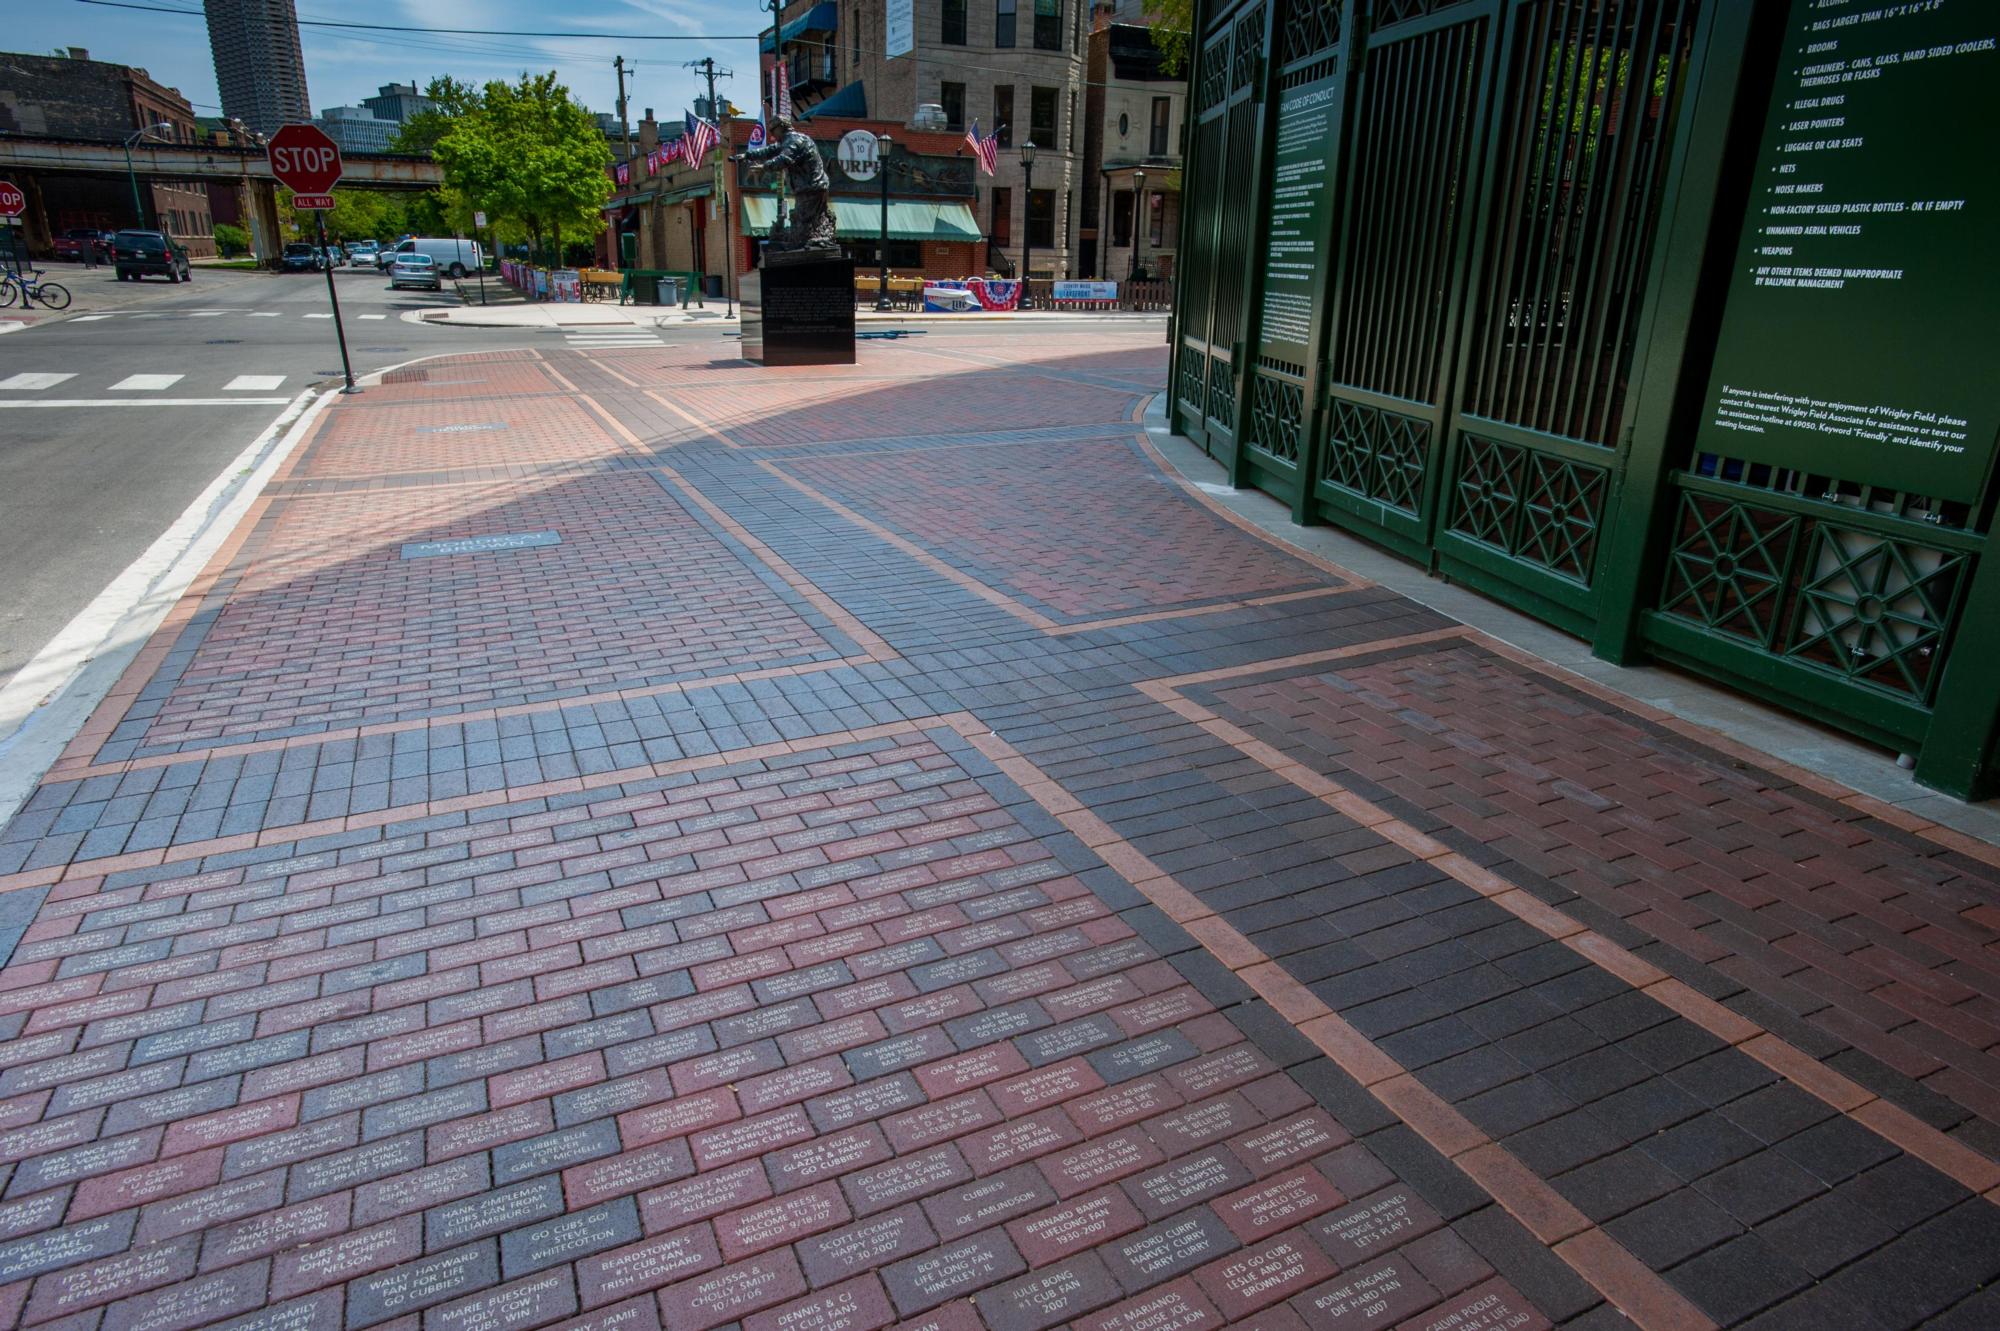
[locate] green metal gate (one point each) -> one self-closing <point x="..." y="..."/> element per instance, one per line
<point x="1480" y="342"/>
<point x="1217" y="232"/>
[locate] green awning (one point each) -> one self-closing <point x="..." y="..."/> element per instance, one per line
<point x="686" y="192"/>
<point x="631" y="201"/>
<point x="861" y="219"/>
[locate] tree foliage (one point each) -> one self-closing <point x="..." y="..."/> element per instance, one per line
<point x="1173" y="21"/>
<point x="527" y="153"/>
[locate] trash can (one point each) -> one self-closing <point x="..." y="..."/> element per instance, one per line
<point x="669" y="291"/>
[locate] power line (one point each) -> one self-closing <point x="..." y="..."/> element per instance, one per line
<point x="468" y="32"/>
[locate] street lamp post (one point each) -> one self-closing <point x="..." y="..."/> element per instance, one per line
<point x="1138" y="220"/>
<point x="882" y="289"/>
<point x="1027" y="221"/>
<point x="138" y="210"/>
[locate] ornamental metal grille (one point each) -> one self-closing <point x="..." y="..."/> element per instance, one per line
<point x="1377" y="454"/>
<point x="1391" y="12"/>
<point x="1310" y="27"/>
<point x="1277" y="409"/>
<point x="1586" y="121"/>
<point x="1534" y="506"/>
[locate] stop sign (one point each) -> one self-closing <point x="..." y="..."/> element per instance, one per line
<point x="304" y="159"/>
<point x="12" y="202"/>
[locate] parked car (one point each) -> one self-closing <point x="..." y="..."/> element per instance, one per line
<point x="454" y="257"/>
<point x="335" y="256"/>
<point x="384" y="257"/>
<point x="418" y="271"/>
<point x="361" y="254"/>
<point x="137" y="253"/>
<point x="73" y="243"/>
<point x="299" y="257"/>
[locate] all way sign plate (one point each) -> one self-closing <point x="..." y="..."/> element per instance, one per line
<point x="312" y="202"/>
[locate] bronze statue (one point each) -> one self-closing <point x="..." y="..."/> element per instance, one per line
<point x="811" y="222"/>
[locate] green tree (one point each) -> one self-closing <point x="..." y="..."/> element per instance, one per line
<point x="1172" y="20"/>
<point x="231" y="240"/>
<point x="531" y="157"/>
<point x="421" y="132"/>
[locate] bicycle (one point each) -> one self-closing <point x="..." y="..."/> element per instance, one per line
<point x="29" y="287"/>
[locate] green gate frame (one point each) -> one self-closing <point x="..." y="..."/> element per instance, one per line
<point x="1435" y="482"/>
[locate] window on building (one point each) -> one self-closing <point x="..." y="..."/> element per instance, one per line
<point x="1003" y="113"/>
<point x="1003" y="22"/>
<point x="1072" y="120"/>
<point x="1163" y="107"/>
<point x="1042" y="116"/>
<point x="1000" y="226"/>
<point x="954" y="22"/>
<point x="951" y="96"/>
<point x="1048" y="25"/>
<point x="1121" y="218"/>
<point x="1042" y="218"/>
<point x="903" y="254"/>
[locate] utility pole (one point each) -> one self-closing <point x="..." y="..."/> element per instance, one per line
<point x="707" y="67"/>
<point x="624" y="122"/>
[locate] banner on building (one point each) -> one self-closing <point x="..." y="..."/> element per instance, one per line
<point x="1086" y="291"/>
<point x="900" y="29"/>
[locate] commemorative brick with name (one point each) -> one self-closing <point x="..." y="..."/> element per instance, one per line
<point x="622" y="1272"/>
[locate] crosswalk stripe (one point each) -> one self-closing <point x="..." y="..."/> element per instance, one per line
<point x="147" y="382"/>
<point x="206" y="314"/>
<point x="319" y="316"/>
<point x="88" y="318"/>
<point x="374" y="316"/>
<point x="34" y="381"/>
<point x="253" y="383"/>
<point x="263" y="314"/>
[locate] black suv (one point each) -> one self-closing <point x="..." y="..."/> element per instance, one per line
<point x="300" y="257"/>
<point x="137" y="253"/>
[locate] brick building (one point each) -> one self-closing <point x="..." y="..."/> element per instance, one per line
<point x="1132" y="151"/>
<point x="73" y="96"/>
<point x="1013" y="65"/>
<point x="672" y="220"/>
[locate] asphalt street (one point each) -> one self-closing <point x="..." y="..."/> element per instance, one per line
<point x="115" y="416"/>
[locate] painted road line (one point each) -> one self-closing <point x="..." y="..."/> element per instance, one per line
<point x="374" y="316"/>
<point x="206" y="314"/>
<point x="319" y="316"/>
<point x="263" y="314"/>
<point x="30" y="382"/>
<point x="142" y="401"/>
<point x="251" y="383"/>
<point x="147" y="383"/>
<point x="87" y="318"/>
<point x="11" y="325"/>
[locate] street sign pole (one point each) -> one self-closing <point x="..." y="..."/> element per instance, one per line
<point x="346" y="367"/>
<point x="479" y="225"/>
<point x="307" y="162"/>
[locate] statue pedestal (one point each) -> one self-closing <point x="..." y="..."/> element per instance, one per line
<point x="799" y="313"/>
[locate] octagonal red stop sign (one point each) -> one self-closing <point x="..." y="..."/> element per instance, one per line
<point x="304" y="159"/>
<point x="12" y="202"/>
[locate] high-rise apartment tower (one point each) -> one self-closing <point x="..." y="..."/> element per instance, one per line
<point x="258" y="66"/>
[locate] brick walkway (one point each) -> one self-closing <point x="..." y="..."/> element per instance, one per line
<point x="626" y="840"/>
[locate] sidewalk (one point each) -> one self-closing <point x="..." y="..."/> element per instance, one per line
<point x="629" y="840"/>
<point x="594" y="314"/>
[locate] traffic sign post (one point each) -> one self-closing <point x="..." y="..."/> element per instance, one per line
<point x="12" y="204"/>
<point x="307" y="163"/>
<point x="479" y="225"/>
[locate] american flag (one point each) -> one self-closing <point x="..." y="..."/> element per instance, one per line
<point x="700" y="137"/>
<point x="987" y="150"/>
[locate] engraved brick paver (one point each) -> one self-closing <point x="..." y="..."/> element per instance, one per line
<point x="870" y="873"/>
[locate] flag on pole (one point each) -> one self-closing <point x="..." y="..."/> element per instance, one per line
<point x="784" y="93"/>
<point x="701" y="136"/>
<point x="987" y="149"/>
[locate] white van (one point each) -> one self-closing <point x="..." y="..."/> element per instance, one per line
<point x="454" y="258"/>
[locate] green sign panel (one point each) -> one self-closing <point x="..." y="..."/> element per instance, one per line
<point x="1863" y="323"/>
<point x="1301" y="231"/>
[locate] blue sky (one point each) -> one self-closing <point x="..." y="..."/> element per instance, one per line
<point x="342" y="68"/>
